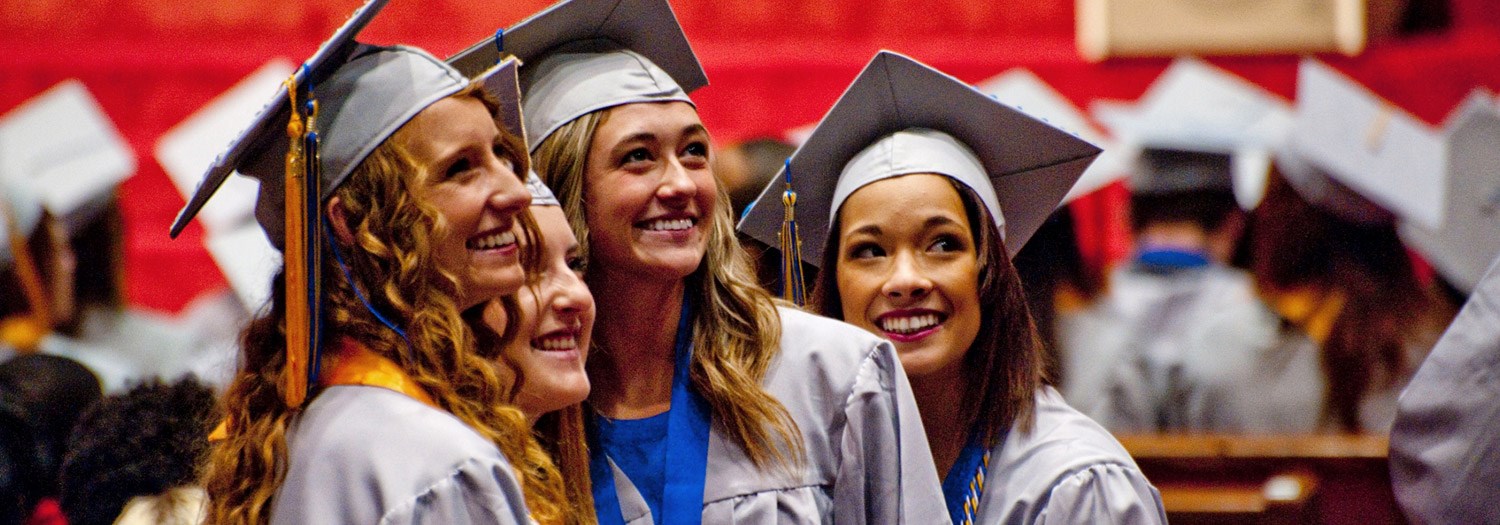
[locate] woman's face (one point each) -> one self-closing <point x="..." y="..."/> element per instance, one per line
<point x="910" y="272"/>
<point x="472" y="183"/>
<point x="649" y="193"/>
<point x="557" y="318"/>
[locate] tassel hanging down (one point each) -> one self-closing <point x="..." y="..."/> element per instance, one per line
<point x="792" y="288"/>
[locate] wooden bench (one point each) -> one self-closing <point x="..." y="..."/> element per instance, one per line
<point x="1209" y="478"/>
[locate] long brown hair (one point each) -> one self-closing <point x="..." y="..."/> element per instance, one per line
<point x="391" y="259"/>
<point x="1005" y="363"/>
<point x="1297" y="245"/>
<point x="736" y="331"/>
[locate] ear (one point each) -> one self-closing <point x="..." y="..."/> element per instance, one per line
<point x="335" y="211"/>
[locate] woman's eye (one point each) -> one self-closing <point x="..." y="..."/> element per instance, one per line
<point x="504" y="156"/>
<point x="947" y="243"/>
<point x="458" y="168"/>
<point x="577" y="264"/>
<point x="636" y="155"/>
<point x="865" y="251"/>
<point x="696" y="149"/>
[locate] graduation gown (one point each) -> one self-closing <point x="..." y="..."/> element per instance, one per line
<point x="1182" y="350"/>
<point x="1067" y="469"/>
<point x="1445" y="450"/>
<point x="867" y="455"/>
<point x="366" y="454"/>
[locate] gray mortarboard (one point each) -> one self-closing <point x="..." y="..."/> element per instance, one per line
<point x="382" y="87"/>
<point x="541" y="195"/>
<point x="187" y="150"/>
<point x="586" y="55"/>
<point x="20" y="214"/>
<point x="902" y="117"/>
<point x="1200" y="127"/>
<point x="1023" y="90"/>
<point x="1360" y="157"/>
<point x="63" y="145"/>
<point x="1470" y="236"/>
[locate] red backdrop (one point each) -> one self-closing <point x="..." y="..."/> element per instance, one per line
<point x="773" y="67"/>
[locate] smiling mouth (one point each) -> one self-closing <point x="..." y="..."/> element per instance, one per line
<point x="910" y="324"/>
<point x="668" y="225"/>
<point x="556" y="341"/>
<point x="492" y="240"/>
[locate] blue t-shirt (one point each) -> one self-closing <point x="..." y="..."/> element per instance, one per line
<point x="639" y="448"/>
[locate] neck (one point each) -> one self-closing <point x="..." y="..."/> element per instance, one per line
<point x="941" y="397"/>
<point x="635" y="332"/>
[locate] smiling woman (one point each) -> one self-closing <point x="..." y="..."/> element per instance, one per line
<point x="420" y="220"/>
<point x="711" y="403"/>
<point x="933" y="275"/>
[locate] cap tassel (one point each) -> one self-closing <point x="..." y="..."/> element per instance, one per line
<point x="791" y="245"/>
<point x="303" y="297"/>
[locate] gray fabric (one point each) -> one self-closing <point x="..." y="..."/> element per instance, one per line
<point x="587" y="77"/>
<point x="1067" y="469"/>
<point x="911" y="151"/>
<point x="1194" y="349"/>
<point x="1470" y="237"/>
<point x="1445" y="453"/>
<point x="541" y="195"/>
<point x="867" y="457"/>
<point x="363" y="455"/>
<point x="21" y="205"/>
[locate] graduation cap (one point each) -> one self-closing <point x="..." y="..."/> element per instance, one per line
<point x="1361" y="157"/>
<point x="63" y="146"/>
<point x="586" y="55"/>
<point x="902" y="117"/>
<point x="1023" y="90"/>
<point x="1470" y="235"/>
<point x="1200" y="127"/>
<point x="332" y="113"/>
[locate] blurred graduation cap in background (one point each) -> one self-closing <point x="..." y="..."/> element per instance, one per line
<point x="1200" y="127"/>
<point x="902" y="117"/>
<point x="1025" y="91"/>
<point x="1360" y="157"/>
<point x="1469" y="238"/>
<point x="63" y="146"/>
<point x="234" y="240"/>
<point x="585" y="55"/>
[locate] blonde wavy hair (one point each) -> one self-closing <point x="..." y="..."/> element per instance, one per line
<point x="736" y="329"/>
<point x="391" y="259"/>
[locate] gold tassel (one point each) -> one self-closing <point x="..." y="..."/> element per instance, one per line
<point x="298" y="311"/>
<point x="25" y="334"/>
<point x="791" y="245"/>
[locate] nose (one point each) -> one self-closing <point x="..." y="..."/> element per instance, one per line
<point x="906" y="281"/>
<point x="676" y="183"/>
<point x="570" y="296"/>
<point x="508" y="195"/>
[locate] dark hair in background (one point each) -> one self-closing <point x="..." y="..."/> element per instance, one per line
<point x="1049" y="262"/>
<point x="98" y="280"/>
<point x="41" y="396"/>
<point x="764" y="157"/>
<point x="143" y="442"/>
<point x="1209" y="209"/>
<point x="1005" y="362"/>
<point x="1297" y="244"/>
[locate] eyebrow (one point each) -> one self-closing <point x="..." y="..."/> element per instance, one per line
<point x="939" y="220"/>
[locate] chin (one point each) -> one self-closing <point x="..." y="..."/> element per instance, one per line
<point x="924" y="359"/>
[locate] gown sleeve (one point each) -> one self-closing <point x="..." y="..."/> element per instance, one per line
<point x="886" y="472"/>
<point x="1103" y="493"/>
<point x="478" y="492"/>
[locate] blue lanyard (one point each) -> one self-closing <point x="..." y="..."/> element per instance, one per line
<point x="964" y="484"/>
<point x="688" y="424"/>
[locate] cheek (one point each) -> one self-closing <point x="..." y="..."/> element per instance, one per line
<point x="856" y="291"/>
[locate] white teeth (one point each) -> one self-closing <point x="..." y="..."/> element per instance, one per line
<point x="907" y="325"/>
<point x="565" y="342"/>
<point x="669" y="225"/>
<point x="497" y="240"/>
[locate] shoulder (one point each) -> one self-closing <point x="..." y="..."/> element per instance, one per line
<point x="832" y="355"/>
<point x="1061" y="442"/>
<point x="377" y="451"/>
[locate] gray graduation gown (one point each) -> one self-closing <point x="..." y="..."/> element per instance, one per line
<point x="867" y="456"/>
<point x="367" y="455"/>
<point x="1067" y="469"/>
<point x="1445" y="447"/>
<point x="1194" y="349"/>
